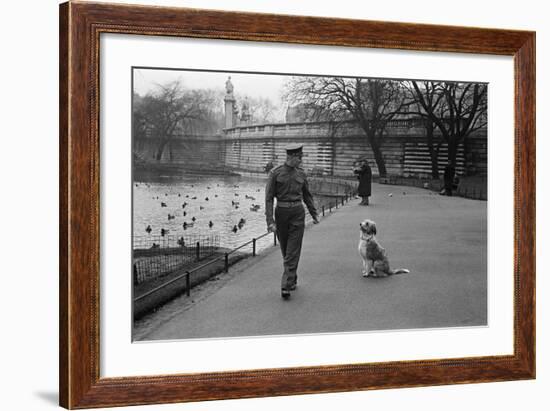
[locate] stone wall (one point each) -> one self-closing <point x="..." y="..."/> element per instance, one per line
<point x="328" y="149"/>
<point x="332" y="150"/>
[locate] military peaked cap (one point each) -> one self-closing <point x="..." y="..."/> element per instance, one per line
<point x="294" y="149"/>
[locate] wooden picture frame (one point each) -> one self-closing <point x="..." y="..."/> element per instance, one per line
<point x="80" y="27"/>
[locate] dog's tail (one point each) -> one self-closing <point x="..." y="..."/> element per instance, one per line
<point x="400" y="271"/>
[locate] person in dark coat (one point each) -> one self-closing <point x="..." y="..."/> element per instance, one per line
<point x="288" y="184"/>
<point x="269" y="166"/>
<point x="364" y="175"/>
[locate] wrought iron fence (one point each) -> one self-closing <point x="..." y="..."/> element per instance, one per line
<point x="326" y="208"/>
<point x="157" y="255"/>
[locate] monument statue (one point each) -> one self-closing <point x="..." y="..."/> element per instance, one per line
<point x="230" y="105"/>
<point x="245" y="114"/>
<point x="229" y="86"/>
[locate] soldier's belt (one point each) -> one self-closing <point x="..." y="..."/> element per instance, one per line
<point x="288" y="204"/>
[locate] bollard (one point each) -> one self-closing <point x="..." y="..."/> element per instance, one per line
<point x="198" y="251"/>
<point x="226" y="268"/>
<point x="323" y="208"/>
<point x="188" y="283"/>
<point x="253" y="247"/>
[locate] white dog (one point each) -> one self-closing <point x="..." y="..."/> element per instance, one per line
<point x="375" y="261"/>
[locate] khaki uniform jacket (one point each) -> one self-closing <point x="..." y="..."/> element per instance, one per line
<point x="287" y="184"/>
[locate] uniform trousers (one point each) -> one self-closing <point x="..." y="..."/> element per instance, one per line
<point x="290" y="224"/>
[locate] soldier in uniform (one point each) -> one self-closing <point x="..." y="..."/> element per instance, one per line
<point x="288" y="183"/>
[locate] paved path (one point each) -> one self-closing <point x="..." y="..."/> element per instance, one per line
<point x="442" y="240"/>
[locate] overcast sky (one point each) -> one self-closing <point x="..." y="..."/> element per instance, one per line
<point x="253" y="85"/>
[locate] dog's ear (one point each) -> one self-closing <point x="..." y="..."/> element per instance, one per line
<point x="373" y="228"/>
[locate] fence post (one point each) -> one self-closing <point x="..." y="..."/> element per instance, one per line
<point x="226" y="263"/>
<point x="198" y="250"/>
<point x="187" y="283"/>
<point x="253" y="247"/>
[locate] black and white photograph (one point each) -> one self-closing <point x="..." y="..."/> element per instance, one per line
<point x="269" y="204"/>
<point x="275" y="205"/>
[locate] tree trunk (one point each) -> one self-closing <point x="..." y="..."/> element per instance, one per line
<point x="378" y="157"/>
<point x="433" y="152"/>
<point x="160" y="149"/>
<point x="374" y="141"/>
<point x="453" y="148"/>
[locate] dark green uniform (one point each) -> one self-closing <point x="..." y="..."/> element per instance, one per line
<point x="289" y="185"/>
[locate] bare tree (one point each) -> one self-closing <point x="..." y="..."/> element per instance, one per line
<point x="262" y="110"/>
<point x="372" y="103"/>
<point x="457" y="109"/>
<point x="171" y="110"/>
<point x="139" y="122"/>
<point x="432" y="94"/>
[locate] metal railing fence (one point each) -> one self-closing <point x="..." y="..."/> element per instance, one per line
<point x="326" y="208"/>
<point x="155" y="256"/>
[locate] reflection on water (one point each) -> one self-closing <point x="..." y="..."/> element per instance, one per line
<point x="217" y="204"/>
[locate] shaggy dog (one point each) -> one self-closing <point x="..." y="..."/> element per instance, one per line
<point x="375" y="261"/>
